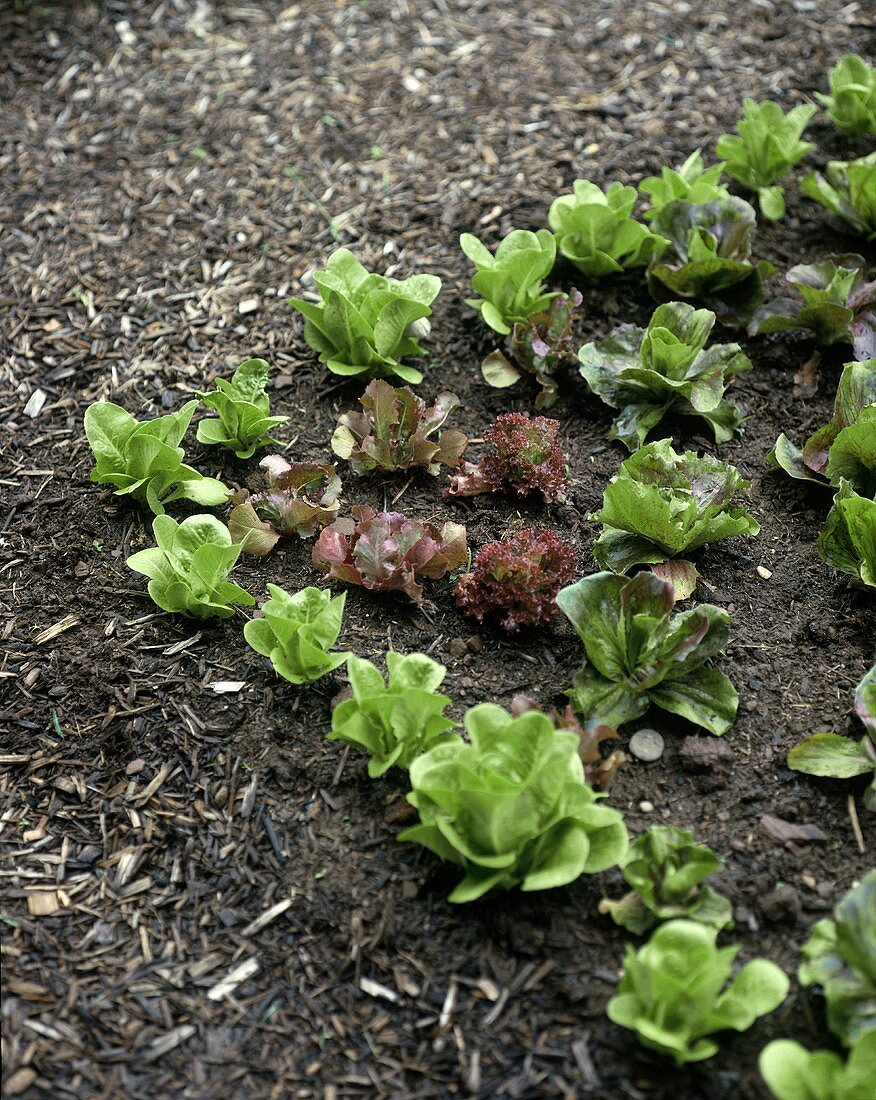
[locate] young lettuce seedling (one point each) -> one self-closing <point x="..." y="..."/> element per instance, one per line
<point x="839" y="305"/>
<point x="708" y="260"/>
<point x="366" y="323"/>
<point x="189" y="567"/>
<point x="665" y="368"/>
<point x="848" y="190"/>
<point x="852" y="100"/>
<point x="791" y="1072"/>
<point x="840" y="957"/>
<point x="662" y="505"/>
<point x="387" y="552"/>
<point x="297" y="631"/>
<point x="595" y="230"/>
<point x="671" y="991"/>
<point x="511" y="806"/>
<point x="844" y="447"/>
<point x="691" y="181"/>
<point x="243" y="406"/>
<point x="394" y="722"/>
<point x="523" y="457"/>
<point x="301" y="498"/>
<point x="639" y="653"/>
<point x="667" y="870"/>
<point x="393" y="432"/>
<point x="144" y="460"/>
<point x="767" y="147"/>
<point x="516" y="580"/>
<point x="510" y="283"/>
<point x="848" y="538"/>
<point x="829" y="754"/>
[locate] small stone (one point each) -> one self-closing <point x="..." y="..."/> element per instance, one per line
<point x="248" y="305"/>
<point x="762" y="571"/>
<point x="782" y="906"/>
<point x="458" y="648"/>
<point x="647" y="745"/>
<point x="646" y="807"/>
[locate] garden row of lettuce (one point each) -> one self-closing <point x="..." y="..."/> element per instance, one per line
<point x="518" y="801"/>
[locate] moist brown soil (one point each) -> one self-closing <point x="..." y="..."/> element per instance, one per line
<point x="168" y="174"/>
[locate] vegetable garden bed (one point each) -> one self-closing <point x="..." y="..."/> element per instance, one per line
<point x="201" y="894"/>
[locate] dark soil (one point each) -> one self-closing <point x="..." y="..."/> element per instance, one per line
<point x="162" y="165"/>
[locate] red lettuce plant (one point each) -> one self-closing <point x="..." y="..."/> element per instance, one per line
<point x="517" y="579"/>
<point x="386" y="551"/>
<point x="301" y="497"/>
<point x="523" y="457"/>
<point x="599" y="770"/>
<point x="393" y="431"/>
<point x="540" y="345"/>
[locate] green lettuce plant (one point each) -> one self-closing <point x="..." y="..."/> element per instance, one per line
<point x="691" y="181"/>
<point x="766" y="147"/>
<point x="667" y="870"/>
<point x="511" y="806"/>
<point x="661" y="505"/>
<point x="843" y="447"/>
<point x="189" y="567"/>
<point x="243" y="406"/>
<point x="144" y="459"/>
<point x="852" y="100"/>
<point x="664" y="368"/>
<point x="596" y="230"/>
<point x="839" y="305"/>
<point x="848" y="190"/>
<point x="366" y="323"/>
<point x="297" y="631"/>
<point x="708" y="260"/>
<point x="639" y="653"/>
<point x="793" y="1073"/>
<point x="674" y="992"/>
<point x="848" y="538"/>
<point x="394" y="721"/>
<point x="510" y="283"/>
<point x="840" y="957"/>
<point x="829" y="754"/>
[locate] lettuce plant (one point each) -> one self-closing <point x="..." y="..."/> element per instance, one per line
<point x="664" y="368"/>
<point x="516" y="580"/>
<point x="839" y="305"/>
<point x="392" y="433"/>
<point x="852" y="100"/>
<point x="638" y="652"/>
<point x="840" y="957"/>
<point x="523" y="457"/>
<point x="301" y="498"/>
<point x="366" y="323"/>
<point x="510" y="283"/>
<point x="188" y="569"/>
<point x="674" y="995"/>
<point x="144" y="459"/>
<point x="848" y="190"/>
<point x="388" y="552"/>
<point x="766" y="147"/>
<point x="848" y="538"/>
<point x="396" y="721"/>
<point x="511" y="806"/>
<point x="661" y="505"/>
<point x="243" y="406"/>
<point x="599" y="770"/>
<point x="596" y="230"/>
<point x="541" y="345"/>
<point x="709" y="258"/>
<point x="691" y="181"/>
<point x="843" y="447"/>
<point x="667" y="870"/>
<point x="829" y="754"/>
<point x="297" y="631"/>
<point x="793" y="1073"/>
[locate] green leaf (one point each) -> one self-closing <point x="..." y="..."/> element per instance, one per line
<point x="828" y="754"/>
<point x="852" y="102"/>
<point x="705" y="697"/>
<point x="772" y="202"/>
